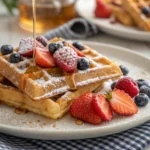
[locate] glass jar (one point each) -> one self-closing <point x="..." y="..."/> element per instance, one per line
<point x="49" y="14"/>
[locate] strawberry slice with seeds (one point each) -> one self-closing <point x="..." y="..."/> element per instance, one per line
<point x="121" y="103"/>
<point x="102" y="107"/>
<point x="44" y="58"/>
<point x="26" y="46"/>
<point x="82" y="109"/>
<point x="66" y="58"/>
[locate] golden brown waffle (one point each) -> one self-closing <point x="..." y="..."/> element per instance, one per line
<point x="39" y="83"/>
<point x="134" y="7"/>
<point x="120" y="13"/>
<point x="53" y="108"/>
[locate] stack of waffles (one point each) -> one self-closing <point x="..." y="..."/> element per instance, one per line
<point x="131" y="12"/>
<point x="51" y="91"/>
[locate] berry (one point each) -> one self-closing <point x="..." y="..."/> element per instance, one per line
<point x="26" y="47"/>
<point x="42" y="40"/>
<point x="78" y="45"/>
<point x="6" y="49"/>
<point x="141" y="100"/>
<point x="102" y="10"/>
<point x="102" y="107"/>
<point x="113" y="85"/>
<point x="124" y="70"/>
<point x="146" y="10"/>
<point x="53" y="47"/>
<point x="44" y="58"/>
<point x="15" y="58"/>
<point x="121" y="103"/>
<point x="141" y="82"/>
<point x="83" y="63"/>
<point x="82" y="109"/>
<point x="128" y="85"/>
<point x="66" y="58"/>
<point x="145" y="89"/>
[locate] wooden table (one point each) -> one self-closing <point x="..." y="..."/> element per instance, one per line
<point x="11" y="33"/>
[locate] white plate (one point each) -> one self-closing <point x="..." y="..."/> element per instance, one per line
<point x="85" y="8"/>
<point x="37" y="127"/>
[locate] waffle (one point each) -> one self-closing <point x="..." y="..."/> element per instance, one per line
<point x="53" y="108"/>
<point x="39" y="83"/>
<point x="134" y="7"/>
<point x="120" y="13"/>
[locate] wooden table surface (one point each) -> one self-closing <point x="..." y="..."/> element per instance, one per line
<point x="11" y="33"/>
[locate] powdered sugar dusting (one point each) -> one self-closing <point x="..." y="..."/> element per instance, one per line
<point x="66" y="58"/>
<point x="26" y="44"/>
<point x="96" y="79"/>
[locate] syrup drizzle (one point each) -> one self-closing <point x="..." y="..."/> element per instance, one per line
<point x="34" y="29"/>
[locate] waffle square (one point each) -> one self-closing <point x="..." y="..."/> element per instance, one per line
<point x="134" y="8"/>
<point x="39" y="83"/>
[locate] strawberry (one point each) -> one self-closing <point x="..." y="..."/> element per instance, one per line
<point x="26" y="46"/>
<point x="121" y="103"/>
<point x="102" y="107"/>
<point x="102" y="9"/>
<point x="128" y="85"/>
<point x="66" y="58"/>
<point x="83" y="110"/>
<point x="44" y="58"/>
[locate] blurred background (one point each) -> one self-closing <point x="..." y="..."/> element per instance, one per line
<point x="16" y="22"/>
<point x="17" y="17"/>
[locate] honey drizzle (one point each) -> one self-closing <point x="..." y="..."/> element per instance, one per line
<point x="34" y="29"/>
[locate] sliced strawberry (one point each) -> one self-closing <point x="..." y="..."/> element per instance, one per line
<point x="83" y="110"/>
<point x="79" y="53"/>
<point x="44" y="58"/>
<point x="122" y="104"/>
<point x="102" y="107"/>
<point x="26" y="46"/>
<point x="66" y="58"/>
<point x="102" y="10"/>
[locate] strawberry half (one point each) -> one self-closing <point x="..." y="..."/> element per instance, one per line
<point x="83" y="110"/>
<point x="66" y="58"/>
<point x="102" y="107"/>
<point x="44" y="58"/>
<point x="102" y="10"/>
<point x="121" y="103"/>
<point x="26" y="46"/>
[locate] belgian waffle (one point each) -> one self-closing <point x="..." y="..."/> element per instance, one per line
<point x="120" y="13"/>
<point x="39" y="83"/>
<point x="134" y="8"/>
<point x="53" y="108"/>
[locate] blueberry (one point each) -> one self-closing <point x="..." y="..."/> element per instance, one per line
<point x="53" y="47"/>
<point x="15" y="58"/>
<point x="145" y="89"/>
<point x="141" y="100"/>
<point x="78" y="45"/>
<point x="83" y="63"/>
<point x="146" y="10"/>
<point x="141" y="82"/>
<point x="113" y="85"/>
<point x="124" y="70"/>
<point x="6" y="49"/>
